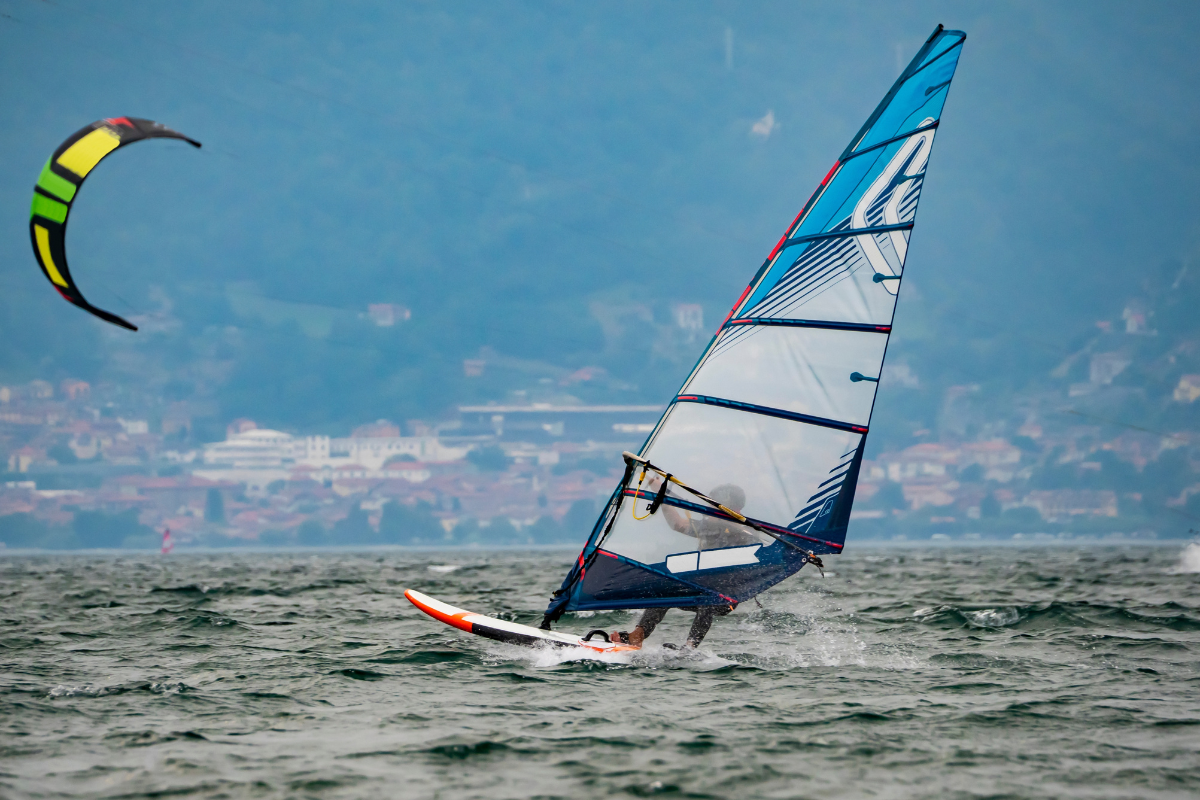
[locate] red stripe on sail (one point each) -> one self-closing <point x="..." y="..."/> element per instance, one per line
<point x="832" y="170"/>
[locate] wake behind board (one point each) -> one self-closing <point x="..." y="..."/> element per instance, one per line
<point x="511" y="632"/>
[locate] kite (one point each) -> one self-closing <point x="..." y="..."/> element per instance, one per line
<point x="58" y="184"/>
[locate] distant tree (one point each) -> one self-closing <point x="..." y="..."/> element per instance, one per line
<point x="597" y="465"/>
<point x="276" y="538"/>
<point x="22" y="530"/>
<point x="502" y="532"/>
<point x="1021" y="515"/>
<point x="62" y="454"/>
<point x="489" y="459"/>
<point x="580" y="519"/>
<point x="1193" y="505"/>
<point x="103" y="530"/>
<point x="547" y="531"/>
<point x="890" y="496"/>
<point x="177" y="389"/>
<point x="1053" y="475"/>
<point x="1113" y="473"/>
<point x="354" y="528"/>
<point x="972" y="474"/>
<point x="1026" y="443"/>
<point x="311" y="534"/>
<point x="499" y="531"/>
<point x="403" y="524"/>
<point x="990" y="507"/>
<point x="466" y="532"/>
<point x="214" y="507"/>
<point x="1164" y="477"/>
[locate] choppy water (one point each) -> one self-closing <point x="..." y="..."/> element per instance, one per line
<point x="945" y="673"/>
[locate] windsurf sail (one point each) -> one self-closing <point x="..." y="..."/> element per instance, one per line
<point x="770" y="425"/>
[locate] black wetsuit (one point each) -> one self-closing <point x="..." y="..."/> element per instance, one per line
<point x="713" y="532"/>
<point x="700" y="625"/>
<point x="710" y="533"/>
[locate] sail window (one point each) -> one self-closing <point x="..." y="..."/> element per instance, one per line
<point x="803" y="370"/>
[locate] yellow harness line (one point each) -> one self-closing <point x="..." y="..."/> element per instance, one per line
<point x="646" y="465"/>
<point x="633" y="505"/>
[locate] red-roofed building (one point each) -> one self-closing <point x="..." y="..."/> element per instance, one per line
<point x="20" y="460"/>
<point x="75" y="390"/>
<point x="240" y="425"/>
<point x="380" y="429"/>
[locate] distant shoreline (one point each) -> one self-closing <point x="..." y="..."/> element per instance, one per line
<point x="870" y="544"/>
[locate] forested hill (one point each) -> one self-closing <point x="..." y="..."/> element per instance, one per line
<point x="541" y="185"/>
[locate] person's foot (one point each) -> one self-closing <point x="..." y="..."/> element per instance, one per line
<point x="634" y="637"/>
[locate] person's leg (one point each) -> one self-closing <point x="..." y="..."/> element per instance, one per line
<point x="703" y="621"/>
<point x="645" y="626"/>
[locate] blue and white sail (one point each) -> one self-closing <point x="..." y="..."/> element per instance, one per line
<point x="773" y="418"/>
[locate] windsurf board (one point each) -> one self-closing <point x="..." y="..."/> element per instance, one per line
<point x="512" y="632"/>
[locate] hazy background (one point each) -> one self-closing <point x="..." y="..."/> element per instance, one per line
<point x="541" y="183"/>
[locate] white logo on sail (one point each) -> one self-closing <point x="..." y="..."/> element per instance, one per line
<point x="910" y="158"/>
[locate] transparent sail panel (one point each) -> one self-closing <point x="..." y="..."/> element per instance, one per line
<point x="682" y="541"/>
<point x="831" y="281"/>
<point x="777" y="463"/>
<point x="805" y="370"/>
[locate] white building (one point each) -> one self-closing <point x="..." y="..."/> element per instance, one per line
<point x="254" y="449"/>
<point x="1105" y="367"/>
<point x="265" y="449"/>
<point x="374" y="452"/>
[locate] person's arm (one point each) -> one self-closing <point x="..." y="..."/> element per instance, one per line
<point x="678" y="522"/>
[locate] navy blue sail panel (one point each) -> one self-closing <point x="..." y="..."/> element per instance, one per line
<point x="773" y="419"/>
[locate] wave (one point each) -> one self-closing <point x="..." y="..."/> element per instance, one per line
<point x="201" y="591"/>
<point x="149" y="738"/>
<point x="91" y="690"/>
<point x="462" y="751"/>
<point x="361" y="674"/>
<point x="420" y="657"/>
<point x="809" y="630"/>
<point x="1062" y="615"/>
<point x="1189" y="560"/>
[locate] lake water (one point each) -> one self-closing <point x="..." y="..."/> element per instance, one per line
<point x="945" y="672"/>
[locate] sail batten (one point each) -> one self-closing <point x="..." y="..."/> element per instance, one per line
<point x="772" y="421"/>
<point x="886" y="142"/>
<point x="814" y="237"/>
<point x="771" y="412"/>
<point x="832" y="325"/>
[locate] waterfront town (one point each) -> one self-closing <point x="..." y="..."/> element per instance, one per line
<point x="83" y="472"/>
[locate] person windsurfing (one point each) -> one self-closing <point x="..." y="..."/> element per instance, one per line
<point x="781" y="398"/>
<point x="710" y="533"/>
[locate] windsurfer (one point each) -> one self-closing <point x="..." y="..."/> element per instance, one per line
<point x="710" y="533"/>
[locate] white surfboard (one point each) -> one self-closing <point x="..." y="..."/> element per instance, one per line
<point x="500" y="630"/>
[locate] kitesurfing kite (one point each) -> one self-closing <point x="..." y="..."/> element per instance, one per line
<point x="58" y="184"/>
<point x="772" y="421"/>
